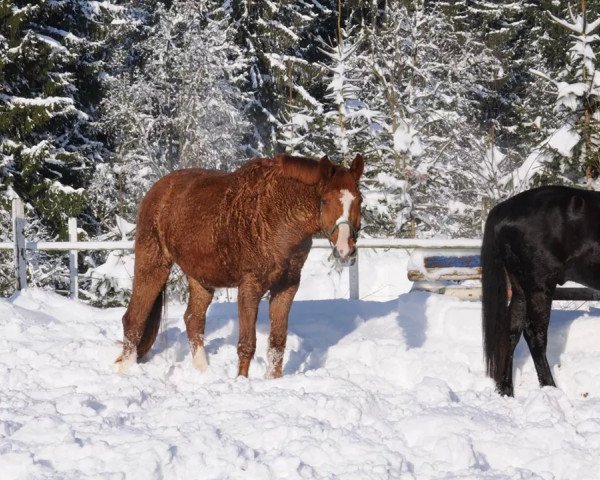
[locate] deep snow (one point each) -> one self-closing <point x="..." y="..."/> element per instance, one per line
<point x="372" y="390"/>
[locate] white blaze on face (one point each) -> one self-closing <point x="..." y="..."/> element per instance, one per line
<point x="343" y="240"/>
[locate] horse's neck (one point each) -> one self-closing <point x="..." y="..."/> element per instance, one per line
<point x="272" y="204"/>
<point x="304" y="210"/>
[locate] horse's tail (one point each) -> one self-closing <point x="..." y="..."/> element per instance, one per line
<point x="152" y="324"/>
<point x="495" y="318"/>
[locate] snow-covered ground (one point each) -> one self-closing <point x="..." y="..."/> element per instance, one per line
<point x="384" y="389"/>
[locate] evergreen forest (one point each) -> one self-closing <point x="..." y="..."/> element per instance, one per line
<point x="455" y="105"/>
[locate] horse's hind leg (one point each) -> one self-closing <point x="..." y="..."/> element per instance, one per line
<point x="279" y="309"/>
<point x="249" y="294"/>
<point x="195" y="320"/>
<point x="539" y="307"/>
<point x="517" y="312"/>
<point x="142" y="318"/>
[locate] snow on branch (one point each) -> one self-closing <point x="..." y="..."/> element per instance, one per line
<point x="37" y="102"/>
<point x="578" y="24"/>
<point x="543" y="75"/>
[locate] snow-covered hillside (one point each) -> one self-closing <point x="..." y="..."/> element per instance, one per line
<point x="371" y="390"/>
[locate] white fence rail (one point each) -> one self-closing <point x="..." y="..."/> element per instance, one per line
<point x="20" y="245"/>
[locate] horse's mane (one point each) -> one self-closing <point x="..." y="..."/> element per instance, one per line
<point x="303" y="169"/>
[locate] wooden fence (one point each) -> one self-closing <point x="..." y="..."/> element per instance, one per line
<point x="20" y="245"/>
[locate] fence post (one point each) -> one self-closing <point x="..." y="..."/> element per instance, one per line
<point x="73" y="264"/>
<point x="18" y="224"/>
<point x="353" y="279"/>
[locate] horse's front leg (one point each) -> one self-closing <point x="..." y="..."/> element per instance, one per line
<point x="279" y="309"/>
<point x="249" y="295"/>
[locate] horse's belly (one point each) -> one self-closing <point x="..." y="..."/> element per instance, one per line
<point x="586" y="272"/>
<point x="209" y="274"/>
<point x="214" y="261"/>
<point x="206" y="265"/>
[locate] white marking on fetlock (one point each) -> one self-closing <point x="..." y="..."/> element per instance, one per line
<point x="199" y="359"/>
<point x="125" y="361"/>
<point x="273" y="358"/>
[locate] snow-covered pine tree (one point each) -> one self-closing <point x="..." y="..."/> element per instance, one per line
<point x="172" y="102"/>
<point x="384" y="85"/>
<point x="428" y="80"/>
<point x="523" y="37"/>
<point x="50" y="61"/>
<point x="49" y="141"/>
<point x="337" y="124"/>
<point x="346" y="117"/>
<point x="284" y="81"/>
<point x="570" y="149"/>
<point x="507" y="28"/>
<point x="180" y="105"/>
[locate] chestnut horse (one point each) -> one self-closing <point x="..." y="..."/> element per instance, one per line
<point x="250" y="229"/>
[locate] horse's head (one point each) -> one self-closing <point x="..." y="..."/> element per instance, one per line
<point x="340" y="206"/>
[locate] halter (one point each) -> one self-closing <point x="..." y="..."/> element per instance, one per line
<point x="329" y="232"/>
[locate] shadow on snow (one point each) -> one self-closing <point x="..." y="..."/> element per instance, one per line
<point x="320" y="324"/>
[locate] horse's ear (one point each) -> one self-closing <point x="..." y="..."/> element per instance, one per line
<point x="358" y="166"/>
<point x="326" y="167"/>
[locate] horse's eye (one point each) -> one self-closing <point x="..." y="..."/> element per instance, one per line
<point x="323" y="203"/>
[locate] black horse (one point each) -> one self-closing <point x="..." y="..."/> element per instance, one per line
<point x="532" y="242"/>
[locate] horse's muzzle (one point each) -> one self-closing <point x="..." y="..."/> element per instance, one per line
<point x="346" y="261"/>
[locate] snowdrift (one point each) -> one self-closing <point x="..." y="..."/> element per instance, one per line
<point x="372" y="390"/>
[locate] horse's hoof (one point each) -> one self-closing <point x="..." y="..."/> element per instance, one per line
<point x="199" y="359"/>
<point x="272" y="375"/>
<point x="274" y="363"/>
<point x="124" y="362"/>
<point x="505" y="390"/>
<point x="243" y="367"/>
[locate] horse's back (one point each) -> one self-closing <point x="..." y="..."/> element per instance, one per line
<point x="545" y="198"/>
<point x="552" y="228"/>
<point x="221" y="227"/>
<point x="190" y="178"/>
<point x="178" y="199"/>
<point x="551" y="208"/>
<point x="171" y="195"/>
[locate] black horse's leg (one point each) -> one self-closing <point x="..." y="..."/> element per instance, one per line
<point x="536" y="334"/>
<point x="517" y="312"/>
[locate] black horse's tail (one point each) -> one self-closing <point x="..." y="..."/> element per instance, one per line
<point x="495" y="318"/>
